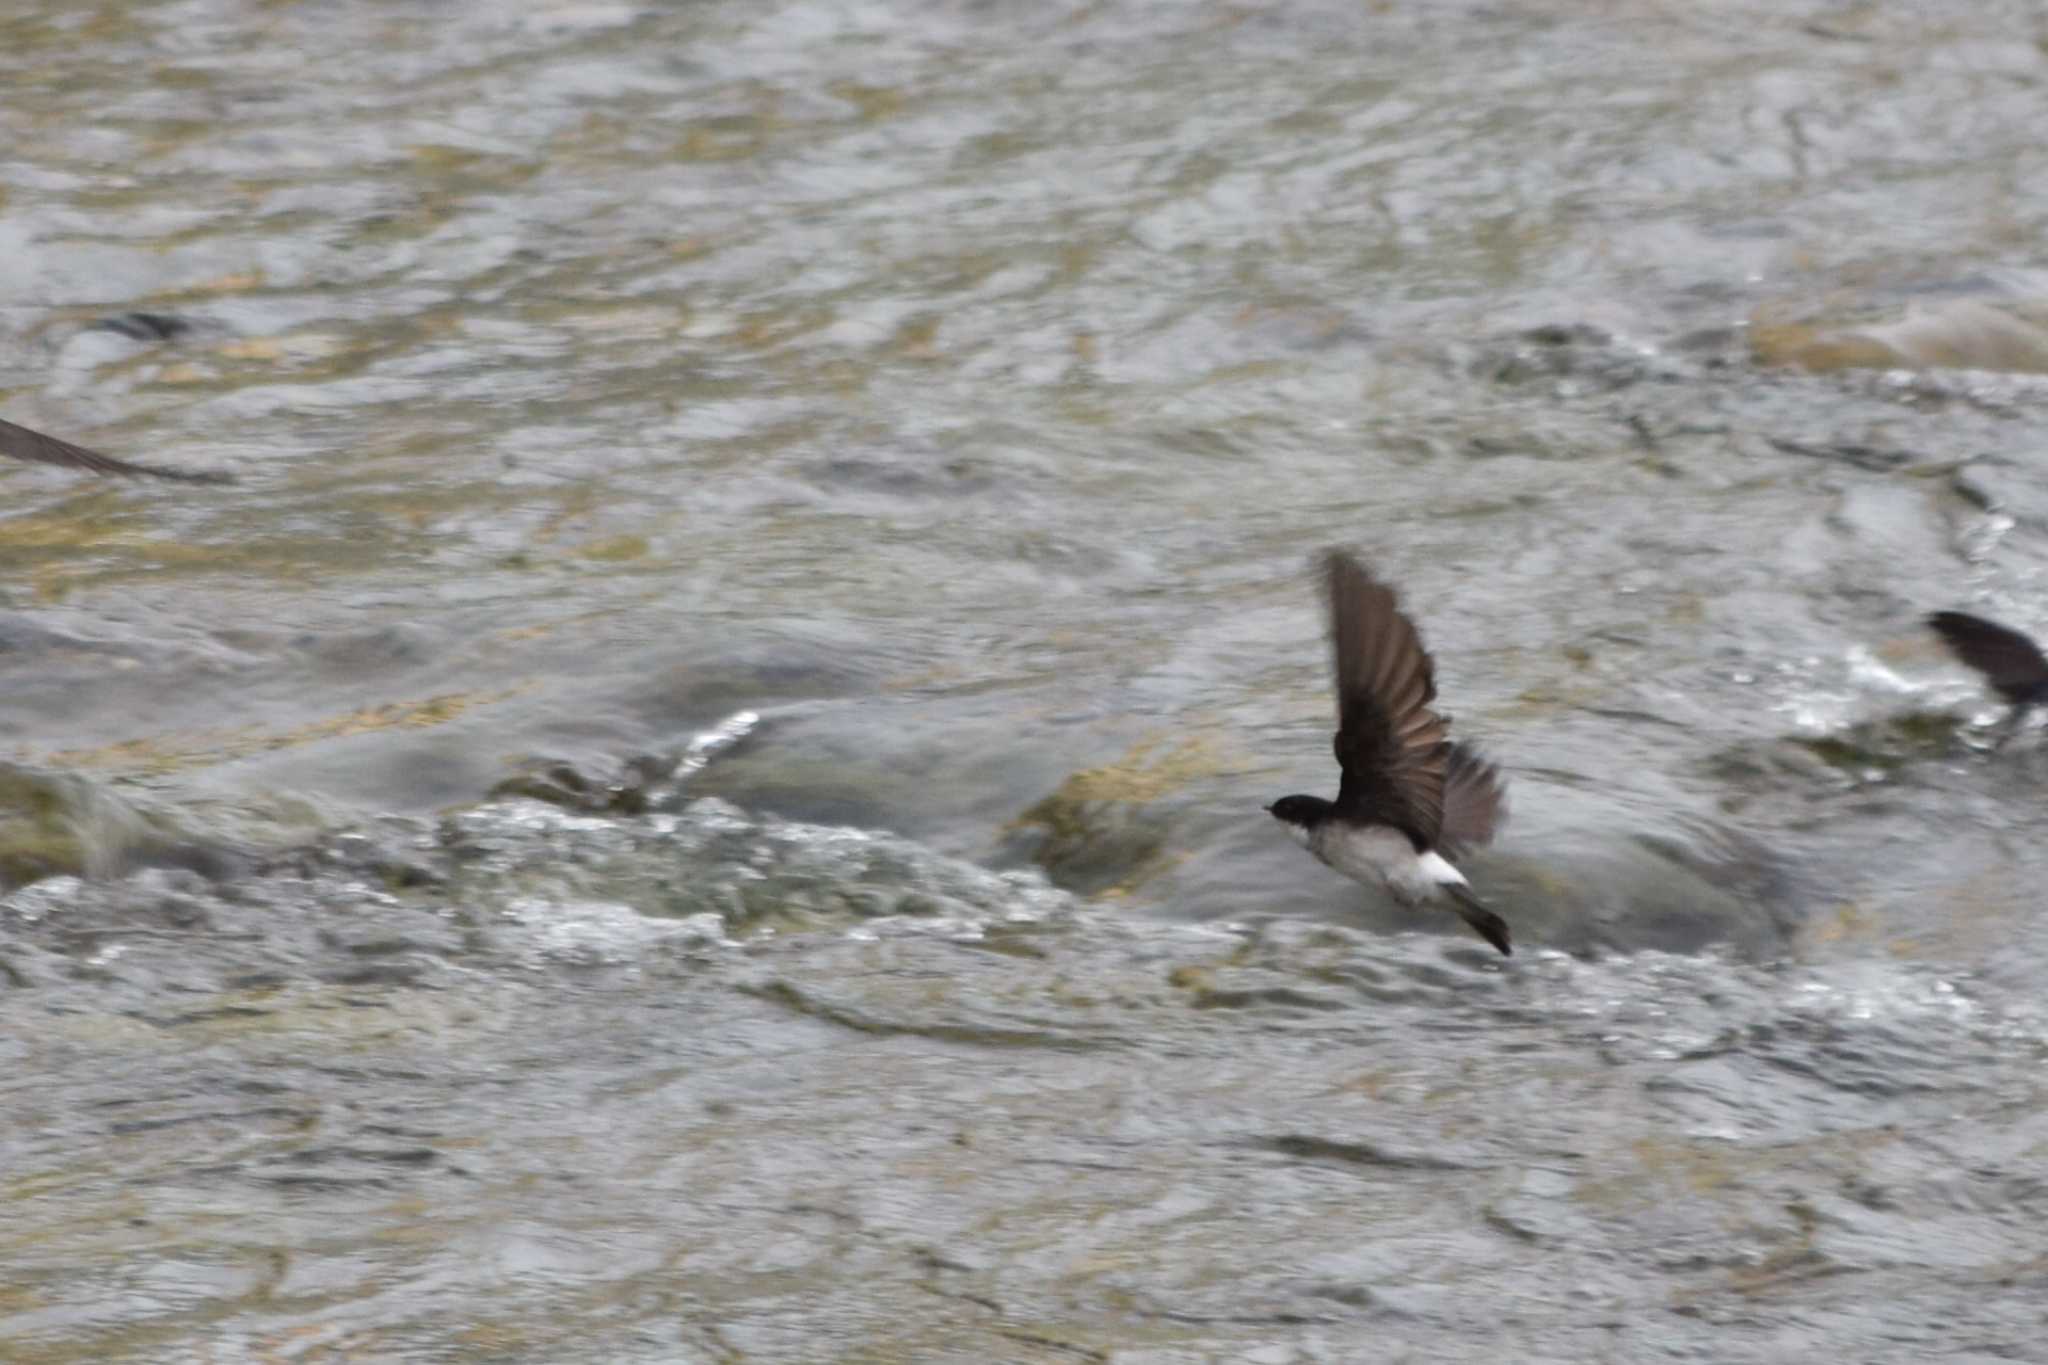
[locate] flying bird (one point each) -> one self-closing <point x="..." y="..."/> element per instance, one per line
<point x="1410" y="799"/>
<point x="19" y="443"/>
<point x="2009" y="661"/>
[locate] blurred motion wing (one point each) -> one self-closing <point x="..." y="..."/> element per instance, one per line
<point x="1390" y="743"/>
<point x="19" y="443"/>
<point x="2009" y="661"/>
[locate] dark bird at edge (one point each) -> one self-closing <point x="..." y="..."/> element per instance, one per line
<point x="1410" y="800"/>
<point x="19" y="443"/>
<point x="2009" y="661"/>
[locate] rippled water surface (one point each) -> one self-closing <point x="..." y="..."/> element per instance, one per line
<point x="699" y="799"/>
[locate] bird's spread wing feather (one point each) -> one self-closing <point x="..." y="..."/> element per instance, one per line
<point x="1390" y="743"/>
<point x="1475" y="802"/>
<point x="2008" y="660"/>
<point x="20" y="443"/>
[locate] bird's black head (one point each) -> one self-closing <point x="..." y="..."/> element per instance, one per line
<point x="1305" y="812"/>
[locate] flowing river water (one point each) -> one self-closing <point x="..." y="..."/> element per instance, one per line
<point x="700" y="798"/>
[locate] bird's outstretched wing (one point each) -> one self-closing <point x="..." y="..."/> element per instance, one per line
<point x="1390" y="743"/>
<point x="2009" y="661"/>
<point x="1475" y="802"/>
<point x="19" y="443"/>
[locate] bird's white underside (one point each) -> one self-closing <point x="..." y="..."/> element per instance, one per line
<point x="1375" y="854"/>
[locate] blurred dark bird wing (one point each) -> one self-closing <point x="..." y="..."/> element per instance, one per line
<point x="1389" y="743"/>
<point x="2009" y="661"/>
<point x="19" y="443"/>
<point x="1475" y="802"/>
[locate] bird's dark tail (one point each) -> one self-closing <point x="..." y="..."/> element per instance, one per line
<point x="1473" y="911"/>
